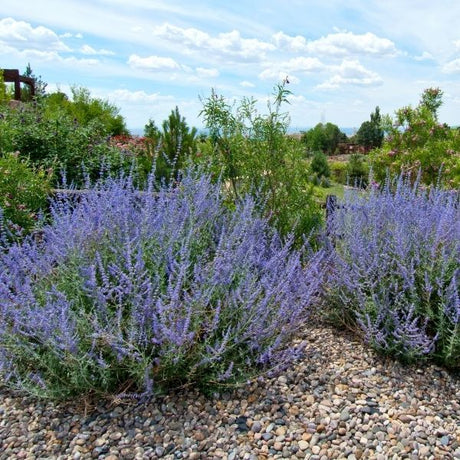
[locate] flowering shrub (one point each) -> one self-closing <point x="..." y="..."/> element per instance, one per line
<point x="416" y="141"/>
<point x="149" y="290"/>
<point x="23" y="193"/>
<point x="132" y="145"/>
<point x="397" y="270"/>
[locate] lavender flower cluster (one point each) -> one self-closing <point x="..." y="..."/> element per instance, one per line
<point x="397" y="270"/>
<point x="143" y="291"/>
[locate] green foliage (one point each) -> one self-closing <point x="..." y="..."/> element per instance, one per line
<point x="152" y="131"/>
<point x="338" y="171"/>
<point x="370" y="133"/>
<point x="173" y="145"/>
<point x="324" y="138"/>
<point x="432" y="100"/>
<point x="87" y="110"/>
<point x="127" y="155"/>
<point x="319" y="165"/>
<point x="48" y="140"/>
<point x="23" y="192"/>
<point x="40" y="86"/>
<point x="177" y="143"/>
<point x="357" y="170"/>
<point x="253" y="153"/>
<point x="67" y="136"/>
<point x="5" y="94"/>
<point x="417" y="141"/>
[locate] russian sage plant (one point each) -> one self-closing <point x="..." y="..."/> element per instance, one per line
<point x="150" y="290"/>
<point x="397" y="270"/>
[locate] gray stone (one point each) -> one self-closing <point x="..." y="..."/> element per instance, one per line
<point x="256" y="427"/>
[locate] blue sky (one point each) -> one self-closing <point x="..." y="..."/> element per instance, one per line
<point x="342" y="58"/>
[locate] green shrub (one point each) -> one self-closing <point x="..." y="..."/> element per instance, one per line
<point x="23" y="193"/>
<point x="45" y="133"/>
<point x="5" y="94"/>
<point x="319" y="165"/>
<point x="84" y="109"/>
<point x="357" y="170"/>
<point x="338" y="171"/>
<point x="255" y="155"/>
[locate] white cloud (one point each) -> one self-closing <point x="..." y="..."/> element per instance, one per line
<point x="206" y="73"/>
<point x="425" y="56"/>
<point x="189" y="37"/>
<point x="345" y="43"/>
<point x="247" y="84"/>
<point x="73" y="61"/>
<point x="304" y="64"/>
<point x="69" y="35"/>
<point x="86" y="49"/>
<point x="173" y="70"/>
<point x="137" y="97"/>
<point x="21" y="35"/>
<point x="154" y="63"/>
<point x="278" y="75"/>
<point x="351" y="72"/>
<point x="287" y="43"/>
<point x="230" y="45"/>
<point x="51" y="57"/>
<point x="338" y="44"/>
<point x="291" y="67"/>
<point x="452" y="66"/>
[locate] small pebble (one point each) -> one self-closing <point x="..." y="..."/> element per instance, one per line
<point x="339" y="401"/>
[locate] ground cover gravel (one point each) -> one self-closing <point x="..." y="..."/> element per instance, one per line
<point x="340" y="401"/>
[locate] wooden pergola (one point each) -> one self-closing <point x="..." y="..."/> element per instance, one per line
<point x="13" y="76"/>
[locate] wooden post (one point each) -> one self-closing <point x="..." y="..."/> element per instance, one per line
<point x="12" y="76"/>
<point x="331" y="206"/>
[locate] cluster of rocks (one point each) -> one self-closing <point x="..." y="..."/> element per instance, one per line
<point x="340" y="401"/>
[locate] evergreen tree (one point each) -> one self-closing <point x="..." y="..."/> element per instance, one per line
<point x="152" y="131"/>
<point x="370" y="133"/>
<point x="319" y="165"/>
<point x="178" y="141"/>
<point x="40" y="85"/>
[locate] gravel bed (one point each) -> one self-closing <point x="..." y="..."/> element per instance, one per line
<point x="340" y="401"/>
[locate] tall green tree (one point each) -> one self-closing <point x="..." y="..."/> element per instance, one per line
<point x="40" y="85"/>
<point x="152" y="131"/>
<point x="323" y="138"/>
<point x="370" y="134"/>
